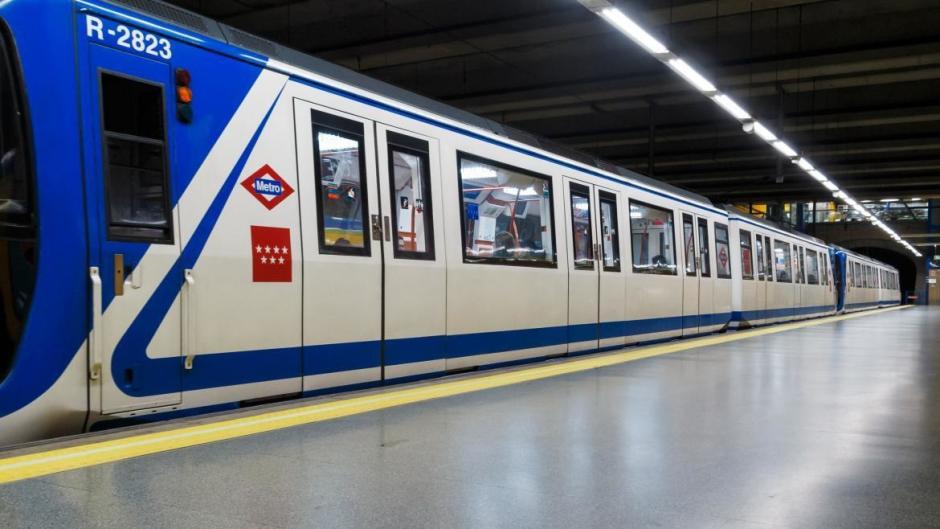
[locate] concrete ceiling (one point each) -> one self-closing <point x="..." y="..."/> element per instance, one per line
<point x="854" y="83"/>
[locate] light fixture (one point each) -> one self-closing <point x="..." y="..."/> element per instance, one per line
<point x="632" y="30"/>
<point x="693" y="77"/>
<point x="731" y="107"/>
<point x="804" y="164"/>
<point x="784" y="149"/>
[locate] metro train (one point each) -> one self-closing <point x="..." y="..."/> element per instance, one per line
<point x="193" y="218"/>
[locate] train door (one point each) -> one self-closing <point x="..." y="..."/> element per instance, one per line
<point x="415" y="272"/>
<point x="342" y="247"/>
<point x="135" y="232"/>
<point x="583" y="270"/>
<point x="691" y="278"/>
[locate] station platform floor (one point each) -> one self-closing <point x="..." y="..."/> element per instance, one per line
<point x="825" y="424"/>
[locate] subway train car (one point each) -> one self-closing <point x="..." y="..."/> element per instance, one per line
<point x="780" y="274"/>
<point x="193" y="219"/>
<point x="864" y="283"/>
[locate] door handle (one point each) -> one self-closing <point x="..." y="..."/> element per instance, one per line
<point x="118" y="274"/>
<point x="189" y="319"/>
<point x="376" y="228"/>
<point x="388" y="229"/>
<point x="94" y="337"/>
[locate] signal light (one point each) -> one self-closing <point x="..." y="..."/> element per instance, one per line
<point x="184" y="96"/>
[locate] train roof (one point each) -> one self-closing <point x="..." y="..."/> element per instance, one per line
<point x="235" y="37"/>
<point x="861" y="257"/>
<point x="735" y="213"/>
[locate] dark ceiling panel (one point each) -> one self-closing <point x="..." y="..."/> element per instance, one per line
<point x="851" y="82"/>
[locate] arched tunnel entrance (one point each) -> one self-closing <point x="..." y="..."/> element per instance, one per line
<point x="907" y="269"/>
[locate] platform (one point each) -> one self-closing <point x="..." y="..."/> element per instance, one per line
<point x="825" y="424"/>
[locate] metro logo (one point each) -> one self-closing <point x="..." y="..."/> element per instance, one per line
<point x="267" y="186"/>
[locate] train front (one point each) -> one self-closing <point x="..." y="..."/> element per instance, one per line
<point x="43" y="265"/>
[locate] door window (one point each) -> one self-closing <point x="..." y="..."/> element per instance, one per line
<point x="782" y="264"/>
<point x="703" y="248"/>
<point x="812" y="267"/>
<point x="507" y="214"/>
<point x="688" y="235"/>
<point x="651" y="234"/>
<point x="136" y="182"/>
<point x="342" y="199"/>
<point x="747" y="261"/>
<point x="581" y="239"/>
<point x="410" y="184"/>
<point x="759" y="249"/>
<point x="768" y="258"/>
<point x="801" y="265"/>
<point x="610" y="234"/>
<point x="723" y="249"/>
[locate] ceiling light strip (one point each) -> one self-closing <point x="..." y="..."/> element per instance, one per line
<point x="700" y="82"/>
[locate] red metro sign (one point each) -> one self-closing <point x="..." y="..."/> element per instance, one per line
<point x="267" y="186"/>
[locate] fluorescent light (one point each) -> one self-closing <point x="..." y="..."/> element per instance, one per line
<point x="916" y="199"/>
<point x="886" y="200"/>
<point x="634" y="31"/>
<point x="693" y="77"/>
<point x="804" y="164"/>
<point x="764" y="133"/>
<point x="784" y="149"/>
<point x="731" y="107"/>
<point x="830" y="186"/>
<point x="818" y="176"/>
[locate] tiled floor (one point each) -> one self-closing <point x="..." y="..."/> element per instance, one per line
<point x="830" y="426"/>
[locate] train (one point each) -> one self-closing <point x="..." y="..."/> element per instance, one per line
<point x="196" y="219"/>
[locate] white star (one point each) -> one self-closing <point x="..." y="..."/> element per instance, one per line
<point x="277" y="250"/>
<point x="280" y="260"/>
<point x="284" y="249"/>
<point x="264" y="260"/>
<point x="258" y="248"/>
<point x="273" y="260"/>
<point x="267" y="249"/>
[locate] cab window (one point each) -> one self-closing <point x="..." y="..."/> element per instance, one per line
<point x="136" y="180"/>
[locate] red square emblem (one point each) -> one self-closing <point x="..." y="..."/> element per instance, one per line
<point x="271" y="255"/>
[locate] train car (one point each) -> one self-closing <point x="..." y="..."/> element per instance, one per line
<point x="864" y="283"/>
<point x="195" y="218"/>
<point x="778" y="275"/>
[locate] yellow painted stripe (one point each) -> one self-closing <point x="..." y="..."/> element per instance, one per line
<point x="95" y="453"/>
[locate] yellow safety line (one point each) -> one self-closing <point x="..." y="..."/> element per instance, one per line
<point x="95" y="453"/>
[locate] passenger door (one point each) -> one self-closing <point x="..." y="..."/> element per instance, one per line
<point x="134" y="229"/>
<point x="583" y="270"/>
<point x="415" y="271"/>
<point x="691" y="278"/>
<point x="342" y="247"/>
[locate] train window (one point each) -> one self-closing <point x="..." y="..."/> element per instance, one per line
<point x="342" y="197"/>
<point x="581" y="238"/>
<point x="759" y="252"/>
<point x="858" y="275"/>
<point x="782" y="262"/>
<point x="812" y="267"/>
<point x="688" y="234"/>
<point x="824" y="267"/>
<point x="410" y="181"/>
<point x="18" y="251"/>
<point x="136" y="183"/>
<point x="652" y="234"/>
<point x="768" y="258"/>
<point x="747" y="257"/>
<point x="610" y="235"/>
<point x="703" y="248"/>
<point x="723" y="251"/>
<point x="507" y="214"/>
<point x="801" y="264"/>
